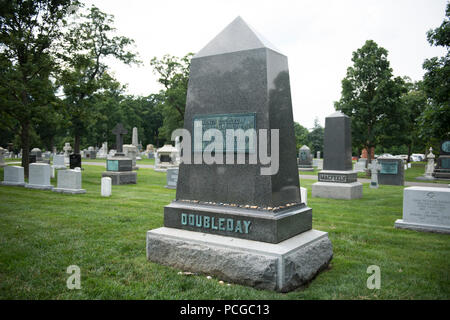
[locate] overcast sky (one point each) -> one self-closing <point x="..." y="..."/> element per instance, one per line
<point x="317" y="36"/>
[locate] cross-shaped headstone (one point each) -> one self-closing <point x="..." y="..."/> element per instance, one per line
<point x="119" y="131"/>
<point x="67" y="148"/>
<point x="374" y="167"/>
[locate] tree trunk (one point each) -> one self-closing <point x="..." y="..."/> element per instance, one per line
<point x="409" y="152"/>
<point x="25" y="143"/>
<point x="76" y="148"/>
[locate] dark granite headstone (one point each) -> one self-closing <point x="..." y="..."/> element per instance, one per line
<point x="445" y="147"/>
<point x="32" y="158"/>
<point x="304" y="156"/>
<point x="337" y="142"/>
<point x="118" y="167"/>
<point x="337" y="180"/>
<point x="75" y="160"/>
<point x="239" y="80"/>
<point x="119" y="131"/>
<point x="391" y="171"/>
<point x="442" y="170"/>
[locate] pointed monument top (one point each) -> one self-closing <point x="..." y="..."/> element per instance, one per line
<point x="237" y="36"/>
<point x="337" y="114"/>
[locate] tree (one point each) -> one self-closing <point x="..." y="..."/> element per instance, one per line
<point x="371" y="96"/>
<point x="435" y="119"/>
<point x="28" y="33"/>
<point x="173" y="74"/>
<point x="88" y="43"/>
<point x="301" y="135"/>
<point x="315" y="138"/>
<point x="414" y="101"/>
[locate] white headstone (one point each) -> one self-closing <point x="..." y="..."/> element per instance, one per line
<point x="430" y="165"/>
<point x="134" y="138"/>
<point x="172" y="178"/>
<point x="69" y="181"/>
<point x="2" y="157"/>
<point x="67" y="148"/>
<point x="13" y="176"/>
<point x="374" y="167"/>
<point x="106" y="186"/>
<point x="39" y="176"/>
<point x="58" y="162"/>
<point x="425" y="209"/>
<point x="304" y="195"/>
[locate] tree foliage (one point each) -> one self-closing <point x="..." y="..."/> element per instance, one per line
<point x="173" y="73"/>
<point x="435" y="118"/>
<point x="29" y="31"/>
<point x="371" y="97"/>
<point x="89" y="41"/>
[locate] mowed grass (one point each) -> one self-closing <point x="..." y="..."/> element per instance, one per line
<point x="42" y="233"/>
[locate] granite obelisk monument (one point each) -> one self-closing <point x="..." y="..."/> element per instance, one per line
<point x="337" y="180"/>
<point x="239" y="221"/>
<point x="119" y="167"/>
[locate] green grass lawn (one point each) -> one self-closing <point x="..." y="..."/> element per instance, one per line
<point x="42" y="233"/>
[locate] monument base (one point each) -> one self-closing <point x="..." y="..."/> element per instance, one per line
<point x="170" y="187"/>
<point x="305" y="168"/>
<point x="38" y="186"/>
<point x="70" y="191"/>
<point x="279" y="267"/>
<point x="121" y="177"/>
<point x="427" y="178"/>
<point x="401" y="224"/>
<point x="331" y="190"/>
<point x="441" y="174"/>
<point x="268" y="226"/>
<point x="16" y="184"/>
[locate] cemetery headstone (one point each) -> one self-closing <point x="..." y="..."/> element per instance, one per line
<point x="305" y="159"/>
<point x="103" y="152"/>
<point x="2" y="158"/>
<point x="442" y="169"/>
<point x="166" y="158"/>
<point x="375" y="168"/>
<point x="172" y="178"/>
<point x="337" y="180"/>
<point x="75" y="161"/>
<point x="239" y="81"/>
<point x="360" y="165"/>
<point x="106" y="187"/>
<point x="119" y="167"/>
<point x="58" y="162"/>
<point x="130" y="151"/>
<point x="67" y="148"/>
<point x="46" y="157"/>
<point x="38" y="153"/>
<point x="391" y="171"/>
<point x="32" y="158"/>
<point x="69" y="181"/>
<point x="304" y="195"/>
<point x="134" y="137"/>
<point x="429" y="168"/>
<point x="13" y="176"/>
<point x="39" y="176"/>
<point x="425" y="209"/>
